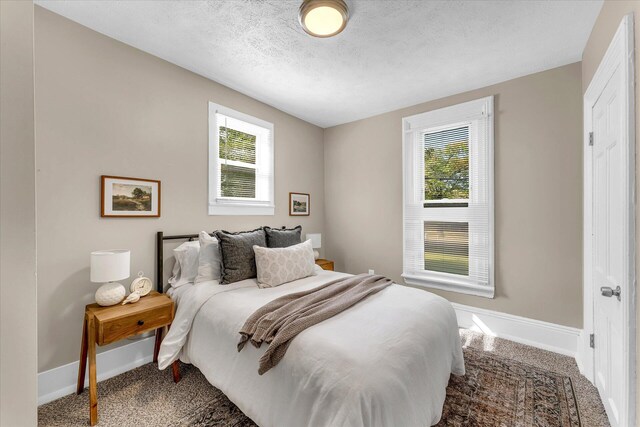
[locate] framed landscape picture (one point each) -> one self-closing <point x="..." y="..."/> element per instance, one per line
<point x="129" y="197"/>
<point x="299" y="204"/>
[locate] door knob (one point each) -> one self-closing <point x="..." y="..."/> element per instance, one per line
<point x="606" y="291"/>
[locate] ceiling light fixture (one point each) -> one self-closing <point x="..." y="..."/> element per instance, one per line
<point x="323" y="18"/>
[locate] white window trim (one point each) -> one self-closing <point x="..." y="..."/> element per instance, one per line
<point x="445" y="117"/>
<point x="236" y="206"/>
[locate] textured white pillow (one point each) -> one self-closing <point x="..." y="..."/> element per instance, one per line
<point x="209" y="266"/>
<point x="185" y="269"/>
<point x="276" y="266"/>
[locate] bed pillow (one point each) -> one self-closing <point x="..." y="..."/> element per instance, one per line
<point x="276" y="266"/>
<point x="238" y="258"/>
<point x="209" y="263"/>
<point x="185" y="269"/>
<point x="283" y="237"/>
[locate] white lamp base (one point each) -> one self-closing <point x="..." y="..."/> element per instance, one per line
<point x="316" y="254"/>
<point x="110" y="294"/>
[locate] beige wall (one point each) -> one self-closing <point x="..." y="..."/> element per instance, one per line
<point x="103" y="107"/>
<point x="538" y="186"/>
<point x="601" y="35"/>
<point x="18" y="345"/>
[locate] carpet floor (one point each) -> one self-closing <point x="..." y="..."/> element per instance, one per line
<point x="507" y="384"/>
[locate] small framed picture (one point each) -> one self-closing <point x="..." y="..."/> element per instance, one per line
<point x="299" y="204"/>
<point x="129" y="197"/>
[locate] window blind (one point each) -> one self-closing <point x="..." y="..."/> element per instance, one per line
<point x="446" y="247"/>
<point x="448" y="201"/>
<point x="237" y="156"/>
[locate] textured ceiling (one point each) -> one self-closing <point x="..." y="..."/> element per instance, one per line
<point x="392" y="54"/>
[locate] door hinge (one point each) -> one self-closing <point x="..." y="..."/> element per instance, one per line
<point x="592" y="341"/>
<point x="590" y="138"/>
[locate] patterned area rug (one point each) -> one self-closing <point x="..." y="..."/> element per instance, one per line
<point x="502" y="392"/>
<point x="495" y="392"/>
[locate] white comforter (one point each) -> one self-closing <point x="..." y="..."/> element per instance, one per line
<point x="384" y="362"/>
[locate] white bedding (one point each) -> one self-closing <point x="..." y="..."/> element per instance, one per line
<point x="384" y="362"/>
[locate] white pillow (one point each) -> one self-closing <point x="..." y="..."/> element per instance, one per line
<point x="186" y="267"/>
<point x="276" y="266"/>
<point x="210" y="263"/>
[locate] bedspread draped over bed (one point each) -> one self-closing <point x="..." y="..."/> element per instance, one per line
<point x="281" y="320"/>
<point x="385" y="361"/>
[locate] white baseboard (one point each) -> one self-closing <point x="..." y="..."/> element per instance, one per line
<point x="544" y="335"/>
<point x="61" y="381"/>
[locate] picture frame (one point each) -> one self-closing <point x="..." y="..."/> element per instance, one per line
<point x="299" y="204"/>
<point x="125" y="197"/>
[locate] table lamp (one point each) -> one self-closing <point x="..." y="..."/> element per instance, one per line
<point x="107" y="267"/>
<point x="316" y="243"/>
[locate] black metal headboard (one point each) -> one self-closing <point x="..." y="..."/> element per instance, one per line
<point x="160" y="238"/>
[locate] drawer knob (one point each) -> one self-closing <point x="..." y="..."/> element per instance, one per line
<point x="140" y="322"/>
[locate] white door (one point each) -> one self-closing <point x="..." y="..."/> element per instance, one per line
<point x="610" y="263"/>
<point x="609" y="230"/>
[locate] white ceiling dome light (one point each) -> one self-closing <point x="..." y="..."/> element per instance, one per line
<point x="323" y="18"/>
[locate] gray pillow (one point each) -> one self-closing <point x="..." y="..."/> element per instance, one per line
<point x="283" y="237"/>
<point x="238" y="258"/>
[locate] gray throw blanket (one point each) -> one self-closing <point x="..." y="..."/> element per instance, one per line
<point x="279" y="321"/>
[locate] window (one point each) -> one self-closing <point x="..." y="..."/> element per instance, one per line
<point x="240" y="163"/>
<point x="448" y="198"/>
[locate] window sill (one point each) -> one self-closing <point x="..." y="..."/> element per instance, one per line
<point x="451" y="286"/>
<point x="241" y="210"/>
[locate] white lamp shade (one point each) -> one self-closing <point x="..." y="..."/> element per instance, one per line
<point x="109" y="266"/>
<point x="316" y="240"/>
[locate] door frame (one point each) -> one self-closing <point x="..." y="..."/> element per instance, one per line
<point x="620" y="53"/>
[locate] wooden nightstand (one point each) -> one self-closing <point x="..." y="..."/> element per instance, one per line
<point x="325" y="264"/>
<point x="104" y="325"/>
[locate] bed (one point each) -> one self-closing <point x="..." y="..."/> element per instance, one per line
<point x="384" y="362"/>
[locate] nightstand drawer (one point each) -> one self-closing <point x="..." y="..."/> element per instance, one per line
<point x="136" y="323"/>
